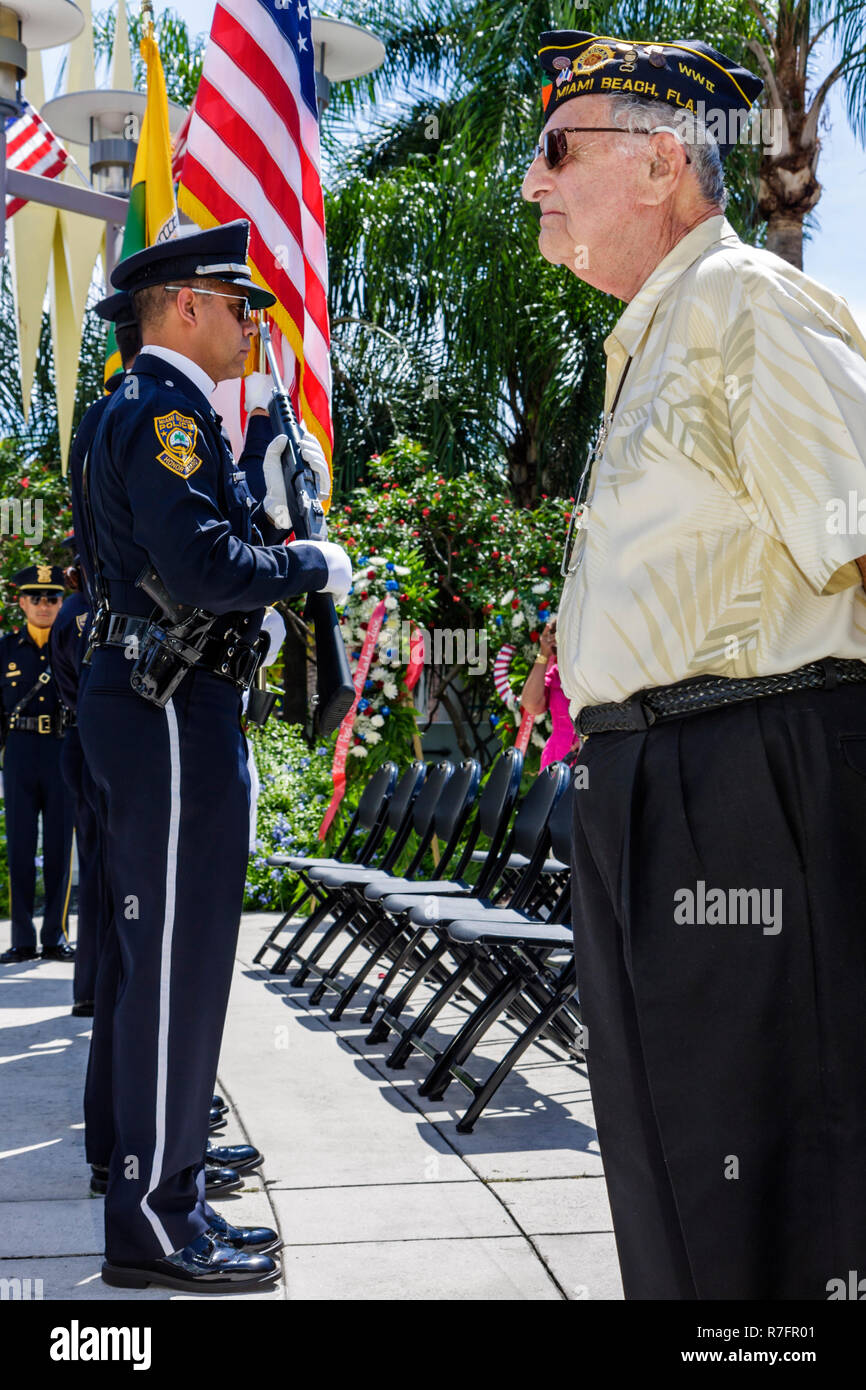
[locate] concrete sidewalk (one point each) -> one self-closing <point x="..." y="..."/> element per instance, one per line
<point x="374" y="1192"/>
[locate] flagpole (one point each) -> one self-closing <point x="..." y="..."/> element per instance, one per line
<point x="147" y="16"/>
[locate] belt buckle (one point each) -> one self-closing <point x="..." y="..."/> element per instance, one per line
<point x="43" y="723"/>
<point x="642" y="714"/>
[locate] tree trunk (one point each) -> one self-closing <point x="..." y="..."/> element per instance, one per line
<point x="788" y="189"/>
<point x="785" y="237"/>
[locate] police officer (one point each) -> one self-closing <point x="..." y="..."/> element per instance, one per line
<point x="711" y="640"/>
<point x="31" y="726"/>
<point x="162" y="491"/>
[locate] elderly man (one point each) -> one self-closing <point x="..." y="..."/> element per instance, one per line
<point x="712" y="631"/>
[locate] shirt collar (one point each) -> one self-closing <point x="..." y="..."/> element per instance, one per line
<point x="636" y="319"/>
<point x="184" y="364"/>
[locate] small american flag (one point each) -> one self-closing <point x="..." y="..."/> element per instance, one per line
<point x="251" y="149"/>
<point x="32" y="148"/>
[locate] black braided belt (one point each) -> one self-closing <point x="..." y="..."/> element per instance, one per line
<point x="712" y="692"/>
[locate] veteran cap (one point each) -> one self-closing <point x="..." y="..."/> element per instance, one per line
<point x="682" y="73"/>
<point x="218" y="254"/>
<point x="40" y="579"/>
<point x="117" y="309"/>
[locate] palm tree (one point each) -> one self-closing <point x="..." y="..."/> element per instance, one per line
<point x="780" y="40"/>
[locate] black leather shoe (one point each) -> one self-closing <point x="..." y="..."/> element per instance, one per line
<point x="62" y="952"/>
<point x="206" y="1264"/>
<point x="217" y="1103"/>
<point x="215" y="1122"/>
<point x="260" y="1238"/>
<point x="218" y="1178"/>
<point x="241" y="1157"/>
<point x="16" y="953"/>
<point x="98" y="1179"/>
<point x="82" y="1008"/>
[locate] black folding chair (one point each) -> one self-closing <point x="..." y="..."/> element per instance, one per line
<point x="398" y="820"/>
<point x="441" y="814"/>
<point x="369" y="815"/>
<point x="529" y="836"/>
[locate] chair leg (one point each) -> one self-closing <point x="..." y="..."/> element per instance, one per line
<point x="392" y="1011"/>
<point x="343" y="917"/>
<point x="403" y="1051"/>
<point x="396" y="966"/>
<point x="284" y="921"/>
<point x="488" y="1088"/>
<point x="439" y="1078"/>
<point x="375" y="955"/>
<point x="304" y="931"/>
<point x="329" y="978"/>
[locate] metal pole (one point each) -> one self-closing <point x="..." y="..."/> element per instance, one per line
<point x="2" y="185"/>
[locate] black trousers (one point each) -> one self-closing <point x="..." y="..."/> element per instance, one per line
<point x="177" y="805"/>
<point x="34" y="786"/>
<point x="726" y="1041"/>
<point x="94" y="903"/>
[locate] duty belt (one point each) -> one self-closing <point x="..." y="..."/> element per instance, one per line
<point x="35" y="724"/>
<point x="230" y="656"/>
<point x="702" y="693"/>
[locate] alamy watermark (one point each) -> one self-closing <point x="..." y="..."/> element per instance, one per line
<point x="746" y="907"/>
<point x="22" y="517"/>
<point x="439" y="646"/>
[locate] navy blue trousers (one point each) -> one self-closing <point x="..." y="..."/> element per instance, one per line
<point x="93" y="902"/>
<point x="725" y="1042"/>
<point x="34" y="786"/>
<point x="176" y="794"/>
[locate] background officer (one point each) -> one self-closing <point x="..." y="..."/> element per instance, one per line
<point x="163" y="491"/>
<point x="31" y="729"/>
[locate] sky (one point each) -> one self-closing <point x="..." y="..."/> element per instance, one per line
<point x="835" y="253"/>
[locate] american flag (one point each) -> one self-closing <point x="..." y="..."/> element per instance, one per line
<point x="32" y="148"/>
<point x="251" y="149"/>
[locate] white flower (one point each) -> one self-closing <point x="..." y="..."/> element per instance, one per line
<point x="542" y="587"/>
<point x="359" y="751"/>
<point x="378" y="673"/>
<point x="377" y="721"/>
<point x="377" y="560"/>
<point x="506" y="598"/>
<point x="390" y="602"/>
<point x="389" y="690"/>
<point x="538" y="739"/>
<point x="373" y="737"/>
<point x="402" y="569"/>
<point x="517" y="618"/>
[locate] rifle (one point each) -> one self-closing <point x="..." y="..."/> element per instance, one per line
<point x="335" y="692"/>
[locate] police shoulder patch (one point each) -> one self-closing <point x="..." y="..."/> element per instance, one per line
<point x="177" y="435"/>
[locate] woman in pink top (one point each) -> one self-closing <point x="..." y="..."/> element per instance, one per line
<point x="542" y="691"/>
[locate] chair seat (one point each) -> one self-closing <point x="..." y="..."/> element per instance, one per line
<point x="466" y="909"/>
<point x="300" y="861"/>
<point x="413" y="887"/>
<point x="532" y="933"/>
<point x="334" y="876"/>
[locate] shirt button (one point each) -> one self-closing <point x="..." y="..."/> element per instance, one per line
<point x="41" y="699"/>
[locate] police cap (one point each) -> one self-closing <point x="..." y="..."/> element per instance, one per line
<point x="117" y="309"/>
<point x="217" y="254"/>
<point x="39" y="579"/>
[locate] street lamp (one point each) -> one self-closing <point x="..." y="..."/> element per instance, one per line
<point x="109" y="122"/>
<point x="30" y="24"/>
<point x="342" y="51"/>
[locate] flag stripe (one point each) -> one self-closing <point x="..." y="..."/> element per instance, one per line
<point x="32" y="148"/>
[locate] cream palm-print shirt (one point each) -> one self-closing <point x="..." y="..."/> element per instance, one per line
<point x="724" y="512"/>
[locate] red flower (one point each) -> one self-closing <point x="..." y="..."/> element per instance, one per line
<point x="452" y="516"/>
<point x="375" y="456"/>
<point x="543" y="569"/>
<point x="436" y="496"/>
<point x="371" y="574"/>
<point x="416" y="533"/>
<point x="515" y="603"/>
<point x="348" y="511"/>
<point x="25" y="482"/>
<point x="425" y="511"/>
<point x="495" y="554"/>
<point x="488" y="608"/>
<point x="364" y="594"/>
<point x="455" y="598"/>
<point x="533" y="636"/>
<point x="495" y="516"/>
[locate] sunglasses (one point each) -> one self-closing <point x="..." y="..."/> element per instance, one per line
<point x="243" y="317"/>
<point x="42" y="598"/>
<point x="554" y="146"/>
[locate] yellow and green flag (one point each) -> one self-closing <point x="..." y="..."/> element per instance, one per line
<point x="152" y="214"/>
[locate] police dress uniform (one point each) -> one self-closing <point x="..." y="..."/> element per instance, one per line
<point x="161" y="490"/>
<point x="33" y="782"/>
<point x="711" y="635"/>
<point x="68" y="644"/>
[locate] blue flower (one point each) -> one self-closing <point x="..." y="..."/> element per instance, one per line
<point x="322" y="752"/>
<point x="385" y="710"/>
<point x="389" y="565"/>
<point x="498" y="620"/>
<point x="305" y="762"/>
<point x="494" y="720"/>
<point x="362" y="559"/>
<point x="391" y="584"/>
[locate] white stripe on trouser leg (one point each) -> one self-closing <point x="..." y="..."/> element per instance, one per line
<point x="165" y="977"/>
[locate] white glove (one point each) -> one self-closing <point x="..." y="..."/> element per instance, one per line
<point x="258" y="391"/>
<point x="339" y="567"/>
<point x="314" y="456"/>
<point x="273" y="625"/>
<point x="276" y="503"/>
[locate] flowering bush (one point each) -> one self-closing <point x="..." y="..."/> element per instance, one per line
<point x="25" y="492"/>
<point x="295" y="788"/>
